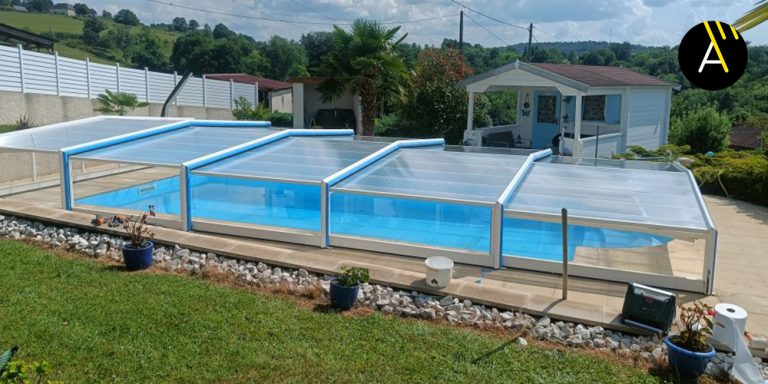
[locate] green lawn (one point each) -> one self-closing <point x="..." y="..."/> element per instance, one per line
<point x="95" y="323"/>
<point x="6" y="128"/>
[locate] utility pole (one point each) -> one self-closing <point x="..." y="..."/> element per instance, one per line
<point x="530" y="37"/>
<point x="461" y="32"/>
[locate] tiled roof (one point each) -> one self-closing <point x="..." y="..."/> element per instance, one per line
<point x="602" y="76"/>
<point x="264" y="83"/>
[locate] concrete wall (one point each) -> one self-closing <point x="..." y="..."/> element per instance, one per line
<point x="45" y="109"/>
<point x="281" y="100"/>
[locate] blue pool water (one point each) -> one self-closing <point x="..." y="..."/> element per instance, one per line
<point x="297" y="206"/>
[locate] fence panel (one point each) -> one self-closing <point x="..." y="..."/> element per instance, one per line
<point x="217" y="93"/>
<point x="133" y="81"/>
<point x="40" y="74"/>
<point x="72" y="77"/>
<point x="192" y="93"/>
<point x="246" y="91"/>
<point x="10" y="73"/>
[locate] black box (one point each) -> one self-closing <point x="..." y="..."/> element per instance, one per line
<point x="648" y="308"/>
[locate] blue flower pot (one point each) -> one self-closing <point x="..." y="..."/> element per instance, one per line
<point x="343" y="297"/>
<point x="688" y="364"/>
<point x="138" y="258"/>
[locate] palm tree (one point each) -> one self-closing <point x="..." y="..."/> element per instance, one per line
<point x="364" y="61"/>
<point x="117" y="103"/>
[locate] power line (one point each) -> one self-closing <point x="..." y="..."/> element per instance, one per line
<point x="486" y="29"/>
<point x="311" y="9"/>
<point x="546" y="33"/>
<point x="287" y="21"/>
<point x="489" y="17"/>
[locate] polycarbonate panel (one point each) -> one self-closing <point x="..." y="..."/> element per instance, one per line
<point x="434" y="224"/>
<point x="163" y="194"/>
<point x="77" y="132"/>
<point x="175" y="147"/>
<point x="309" y="159"/>
<point x="427" y="172"/>
<point x="626" y="195"/>
<point x="257" y="202"/>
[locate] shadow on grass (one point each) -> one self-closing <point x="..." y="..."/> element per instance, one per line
<point x="492" y="352"/>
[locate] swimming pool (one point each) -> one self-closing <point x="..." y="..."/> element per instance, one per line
<point x="297" y="206"/>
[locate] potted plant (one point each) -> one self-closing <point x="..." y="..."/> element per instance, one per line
<point x="689" y="352"/>
<point x="344" y="288"/>
<point x="138" y="250"/>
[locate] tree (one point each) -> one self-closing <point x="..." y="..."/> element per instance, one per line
<point x="106" y="14"/>
<point x="81" y="9"/>
<point x="117" y="103"/>
<point x="284" y="56"/>
<point x="704" y="129"/>
<point x="191" y="52"/>
<point x="126" y="17"/>
<point x="179" y="24"/>
<point x="221" y="31"/>
<point x="92" y="27"/>
<point x="122" y="40"/>
<point x="38" y="5"/>
<point x="435" y="105"/>
<point x="317" y="45"/>
<point x="364" y="62"/>
<point x="622" y="51"/>
<point x="193" y="25"/>
<point x="149" y="54"/>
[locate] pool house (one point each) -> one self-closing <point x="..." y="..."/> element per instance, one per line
<point x="628" y="221"/>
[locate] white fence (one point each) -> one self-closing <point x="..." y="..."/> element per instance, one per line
<point x="33" y="72"/>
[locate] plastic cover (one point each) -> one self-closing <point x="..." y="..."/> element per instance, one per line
<point x="465" y="176"/>
<point x="618" y="194"/>
<point x="175" y="147"/>
<point x="306" y="159"/>
<point x="77" y="132"/>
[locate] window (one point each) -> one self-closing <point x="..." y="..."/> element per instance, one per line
<point x="594" y="108"/>
<point x="547" y="110"/>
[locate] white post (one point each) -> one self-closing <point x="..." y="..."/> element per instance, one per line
<point x="34" y="167"/>
<point x="21" y="68"/>
<point x="205" y="96"/>
<point x="58" y="78"/>
<point x="88" y="75"/>
<point x="175" y="81"/>
<point x="577" y="127"/>
<point x="256" y="94"/>
<point x="471" y="110"/>
<point x="146" y="84"/>
<point x="117" y="72"/>
<point x="231" y="94"/>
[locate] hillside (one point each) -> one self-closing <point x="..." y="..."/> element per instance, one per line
<point x="579" y="47"/>
<point x="68" y="32"/>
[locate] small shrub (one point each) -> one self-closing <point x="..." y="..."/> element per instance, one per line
<point x="704" y="129"/>
<point x="743" y="175"/>
<point x="244" y="110"/>
<point x="351" y="276"/>
<point x="24" y="122"/>
<point x="117" y="103"/>
<point x="665" y="153"/>
<point x="138" y="230"/>
<point x="695" y="325"/>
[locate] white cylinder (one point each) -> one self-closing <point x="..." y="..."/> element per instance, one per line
<point x="721" y="329"/>
<point x="439" y="271"/>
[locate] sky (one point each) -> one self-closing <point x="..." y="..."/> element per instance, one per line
<point x="648" y="22"/>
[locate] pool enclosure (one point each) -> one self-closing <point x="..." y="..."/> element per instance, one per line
<point x="628" y="221"/>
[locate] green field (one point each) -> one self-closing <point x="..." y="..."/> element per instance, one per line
<point x="96" y="323"/>
<point x="43" y="22"/>
<point x="6" y="128"/>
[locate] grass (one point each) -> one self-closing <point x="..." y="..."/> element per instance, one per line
<point x="6" y="128"/>
<point x="93" y="322"/>
<point x="45" y="22"/>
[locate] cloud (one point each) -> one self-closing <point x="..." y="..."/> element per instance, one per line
<point x="651" y="22"/>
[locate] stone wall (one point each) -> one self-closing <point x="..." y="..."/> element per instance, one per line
<point x="45" y="109"/>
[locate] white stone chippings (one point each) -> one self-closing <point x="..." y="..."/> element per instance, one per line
<point x="385" y="299"/>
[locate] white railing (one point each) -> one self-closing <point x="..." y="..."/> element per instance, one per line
<point x="41" y="73"/>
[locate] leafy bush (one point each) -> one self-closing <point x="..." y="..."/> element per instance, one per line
<point x="695" y="326"/>
<point x="390" y="124"/>
<point x="351" y="276"/>
<point x="743" y="175"/>
<point x="704" y="129"/>
<point x="666" y="153"/>
<point x="117" y="103"/>
<point x="244" y="111"/>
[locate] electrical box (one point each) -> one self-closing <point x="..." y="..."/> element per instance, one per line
<point x="648" y="308"/>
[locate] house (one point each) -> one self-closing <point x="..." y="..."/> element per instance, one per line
<point x="578" y="110"/>
<point x="277" y="94"/>
<point x="309" y="109"/>
<point x="63" y="9"/>
<point x="745" y="137"/>
<point x="13" y="36"/>
<point x="19" y="8"/>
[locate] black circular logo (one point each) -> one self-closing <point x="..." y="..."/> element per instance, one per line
<point x="713" y="55"/>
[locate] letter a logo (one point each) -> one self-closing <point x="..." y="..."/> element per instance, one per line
<point x="713" y="55"/>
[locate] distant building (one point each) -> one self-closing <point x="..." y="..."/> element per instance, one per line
<point x="746" y="138"/>
<point x="63" y="9"/>
<point x="310" y="111"/>
<point x="19" y="8"/>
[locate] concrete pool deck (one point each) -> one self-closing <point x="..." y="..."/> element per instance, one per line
<point x="740" y="279"/>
